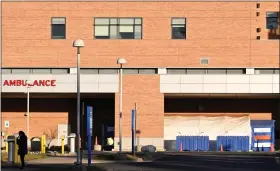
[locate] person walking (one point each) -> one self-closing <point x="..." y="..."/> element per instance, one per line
<point x="22" y="147"/>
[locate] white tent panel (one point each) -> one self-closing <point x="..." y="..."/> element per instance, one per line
<point x="208" y="126"/>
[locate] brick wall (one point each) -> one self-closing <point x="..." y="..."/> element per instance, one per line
<point x="225" y="32"/>
<point x="39" y="122"/>
<point x="144" y="90"/>
<point x="253" y="116"/>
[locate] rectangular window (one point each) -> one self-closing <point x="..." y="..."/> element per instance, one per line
<point x="41" y="71"/>
<point x="196" y="71"/>
<point x="130" y="71"/>
<point x="235" y="71"/>
<point x="264" y="71"/>
<point x="58" y="28"/>
<point x="108" y="71"/>
<point x="60" y="71"/>
<point x="216" y="71"/>
<point x="21" y="71"/>
<point x="147" y="71"/>
<point x="271" y="20"/>
<point x="89" y="71"/>
<point x="6" y="71"/>
<point x="118" y="28"/>
<point x="176" y="71"/>
<point x="178" y="26"/>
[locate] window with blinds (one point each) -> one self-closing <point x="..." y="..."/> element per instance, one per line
<point x="178" y="26"/>
<point x="58" y="30"/>
<point x="118" y="28"/>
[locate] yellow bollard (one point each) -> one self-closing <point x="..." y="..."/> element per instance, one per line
<point x="62" y="144"/>
<point x="16" y="152"/>
<point x="6" y="144"/>
<point x="44" y="144"/>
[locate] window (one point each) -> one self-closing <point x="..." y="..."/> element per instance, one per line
<point x="6" y="71"/>
<point x="264" y="71"/>
<point x="271" y="20"/>
<point x="216" y="71"/>
<point x="58" y="28"/>
<point x="148" y="71"/>
<point x="60" y="71"/>
<point x="176" y="71"/>
<point x="236" y="71"/>
<point x="118" y="28"/>
<point x="130" y="71"/>
<point x="196" y="71"/>
<point x="178" y="26"/>
<point x="108" y="71"/>
<point x="89" y="71"/>
<point x="21" y="71"/>
<point x="41" y="71"/>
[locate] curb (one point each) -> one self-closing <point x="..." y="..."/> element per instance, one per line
<point x="230" y="153"/>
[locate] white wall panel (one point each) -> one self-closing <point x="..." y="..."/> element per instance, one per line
<point x="192" y="79"/>
<point x="65" y="83"/>
<point x="106" y="88"/>
<point x="170" y="88"/>
<point x="222" y="79"/>
<point x="241" y="79"/>
<point x="276" y="78"/>
<point x="214" y="88"/>
<point x="175" y="79"/>
<point x="267" y="78"/>
<point x="276" y="88"/>
<point x="266" y="83"/>
<point x="238" y="88"/>
<point x="261" y="88"/>
<point x="191" y="88"/>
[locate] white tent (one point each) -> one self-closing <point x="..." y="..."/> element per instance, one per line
<point x="208" y="126"/>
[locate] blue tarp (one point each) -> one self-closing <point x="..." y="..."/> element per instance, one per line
<point x="262" y="123"/>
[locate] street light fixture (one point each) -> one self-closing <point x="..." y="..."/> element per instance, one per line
<point x="78" y="44"/>
<point x="120" y="61"/>
<point x="28" y="83"/>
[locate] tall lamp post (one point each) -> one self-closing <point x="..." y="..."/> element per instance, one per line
<point x="28" y="83"/>
<point x="120" y="61"/>
<point x="78" y="44"/>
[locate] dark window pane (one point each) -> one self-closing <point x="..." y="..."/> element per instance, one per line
<point x="271" y="20"/>
<point x="58" y="31"/>
<point x="178" y="32"/>
<point x="6" y="71"/>
<point x="128" y="35"/>
<point x="216" y="71"/>
<point x="102" y="37"/>
<point x="176" y="71"/>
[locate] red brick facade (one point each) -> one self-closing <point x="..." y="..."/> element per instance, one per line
<point x="224" y="32"/>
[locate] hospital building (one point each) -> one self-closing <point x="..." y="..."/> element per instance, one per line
<point x="205" y="67"/>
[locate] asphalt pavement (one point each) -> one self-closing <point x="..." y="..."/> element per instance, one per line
<point x="199" y="163"/>
<point x="171" y="162"/>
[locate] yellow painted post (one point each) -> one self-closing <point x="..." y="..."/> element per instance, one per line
<point x="6" y="144"/>
<point x="42" y="141"/>
<point x="62" y="144"/>
<point x="44" y="144"/>
<point x="16" y="152"/>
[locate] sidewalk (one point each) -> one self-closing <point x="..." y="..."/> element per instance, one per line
<point x="63" y="160"/>
<point x="53" y="164"/>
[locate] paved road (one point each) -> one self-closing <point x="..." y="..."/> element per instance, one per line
<point x="199" y="163"/>
<point x="174" y="163"/>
